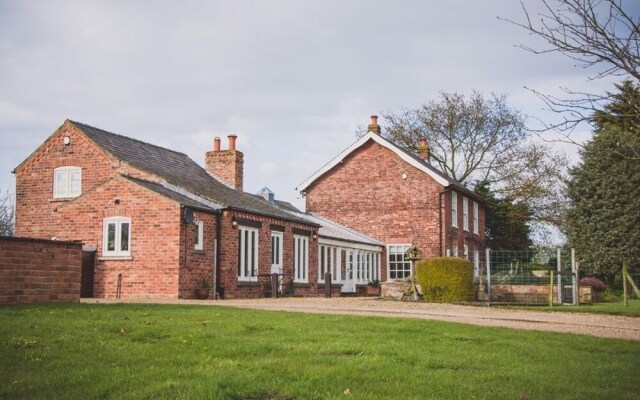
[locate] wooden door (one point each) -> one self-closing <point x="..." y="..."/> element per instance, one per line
<point x="88" y="264"/>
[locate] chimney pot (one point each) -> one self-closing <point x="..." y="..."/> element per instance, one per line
<point x="232" y="141"/>
<point x="423" y="149"/>
<point x="373" y="126"/>
<point x="216" y="144"/>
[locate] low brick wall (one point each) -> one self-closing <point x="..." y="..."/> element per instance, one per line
<point x="534" y="294"/>
<point x="394" y="290"/>
<point x="39" y="271"/>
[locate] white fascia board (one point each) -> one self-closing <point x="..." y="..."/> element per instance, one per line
<point x="348" y="245"/>
<point x="378" y="139"/>
<point x="192" y="196"/>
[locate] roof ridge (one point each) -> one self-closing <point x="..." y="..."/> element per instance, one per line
<point x="125" y="137"/>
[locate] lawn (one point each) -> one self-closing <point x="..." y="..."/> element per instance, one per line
<point x="612" y="308"/>
<point x="120" y="351"/>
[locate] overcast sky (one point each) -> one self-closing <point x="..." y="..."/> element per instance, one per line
<point x="293" y="79"/>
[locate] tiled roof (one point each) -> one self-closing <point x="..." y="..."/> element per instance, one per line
<point x="179" y="170"/>
<point x="173" y="195"/>
<point x="404" y="154"/>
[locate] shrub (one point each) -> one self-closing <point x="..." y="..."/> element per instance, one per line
<point x="446" y="279"/>
<point x="595" y="283"/>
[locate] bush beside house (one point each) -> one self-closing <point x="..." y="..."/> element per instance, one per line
<point x="446" y="279"/>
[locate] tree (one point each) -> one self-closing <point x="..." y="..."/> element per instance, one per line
<point x="599" y="35"/>
<point x="506" y="221"/>
<point x="7" y="212"/>
<point x="602" y="222"/>
<point x="480" y="138"/>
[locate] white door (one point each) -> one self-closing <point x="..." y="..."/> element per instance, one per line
<point x="349" y="281"/>
<point x="276" y="252"/>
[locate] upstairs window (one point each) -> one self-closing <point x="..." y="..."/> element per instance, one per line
<point x="475" y="217"/>
<point x="465" y="214"/>
<point x="67" y="182"/>
<point x="199" y="240"/>
<point x="454" y="209"/>
<point x="116" y="237"/>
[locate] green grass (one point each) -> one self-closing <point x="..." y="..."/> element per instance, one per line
<point x="612" y="308"/>
<point x="195" y="352"/>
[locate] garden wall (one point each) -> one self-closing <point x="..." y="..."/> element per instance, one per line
<point x="39" y="271"/>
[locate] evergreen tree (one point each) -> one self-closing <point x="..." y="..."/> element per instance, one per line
<point x="604" y="189"/>
<point x="507" y="221"/>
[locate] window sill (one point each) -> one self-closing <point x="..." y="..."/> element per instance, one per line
<point x="301" y="284"/>
<point x="198" y="251"/>
<point x="115" y="258"/>
<point x="61" y="199"/>
<point x="248" y="283"/>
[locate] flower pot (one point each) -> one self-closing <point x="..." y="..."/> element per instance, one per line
<point x="373" y="291"/>
<point x="202" y="294"/>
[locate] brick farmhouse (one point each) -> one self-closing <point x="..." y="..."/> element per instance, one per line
<point x="399" y="199"/>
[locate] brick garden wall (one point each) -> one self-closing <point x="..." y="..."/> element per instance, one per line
<point x="39" y="271"/>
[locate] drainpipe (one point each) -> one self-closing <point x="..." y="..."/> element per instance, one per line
<point x="216" y="256"/>
<point x="441" y="224"/>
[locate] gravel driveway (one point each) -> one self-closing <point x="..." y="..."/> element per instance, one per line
<point x="578" y="323"/>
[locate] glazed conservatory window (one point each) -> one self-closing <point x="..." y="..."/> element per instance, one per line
<point x="67" y="182"/>
<point x="116" y="236"/>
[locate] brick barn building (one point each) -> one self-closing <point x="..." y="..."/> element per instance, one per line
<point x="399" y="199"/>
<point x="155" y="223"/>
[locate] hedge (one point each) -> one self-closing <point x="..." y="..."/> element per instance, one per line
<point x="446" y="279"/>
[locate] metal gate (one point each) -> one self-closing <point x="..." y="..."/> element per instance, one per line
<point x="538" y="276"/>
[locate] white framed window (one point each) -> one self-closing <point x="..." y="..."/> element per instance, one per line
<point x="475" y="218"/>
<point x="116" y="237"/>
<point x="398" y="267"/>
<point x="301" y="258"/>
<point x="328" y="261"/>
<point x="247" y="253"/>
<point x="67" y="182"/>
<point x="465" y="251"/>
<point x="454" y="250"/>
<point x="199" y="240"/>
<point x="454" y="209"/>
<point x="465" y="214"/>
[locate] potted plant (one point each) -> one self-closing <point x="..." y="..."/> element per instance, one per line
<point x="373" y="288"/>
<point x="202" y="292"/>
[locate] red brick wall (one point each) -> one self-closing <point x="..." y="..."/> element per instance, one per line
<point x="228" y="263"/>
<point x="34" y="179"/>
<point x="39" y="271"/>
<point x="153" y="268"/>
<point x="196" y="265"/>
<point x="366" y="192"/>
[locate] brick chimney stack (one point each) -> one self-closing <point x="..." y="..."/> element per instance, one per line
<point x="423" y="149"/>
<point x="373" y="126"/>
<point x="226" y="165"/>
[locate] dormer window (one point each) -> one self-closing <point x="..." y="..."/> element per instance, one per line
<point x="67" y="182"/>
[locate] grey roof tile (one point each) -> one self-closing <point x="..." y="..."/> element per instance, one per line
<point x="179" y="170"/>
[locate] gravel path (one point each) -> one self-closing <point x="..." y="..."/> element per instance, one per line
<point x="600" y="325"/>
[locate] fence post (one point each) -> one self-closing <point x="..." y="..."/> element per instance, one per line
<point x="488" y="262"/>
<point x="559" y="269"/>
<point x="551" y="289"/>
<point x="274" y="286"/>
<point x="327" y="284"/>
<point x="574" y="280"/>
